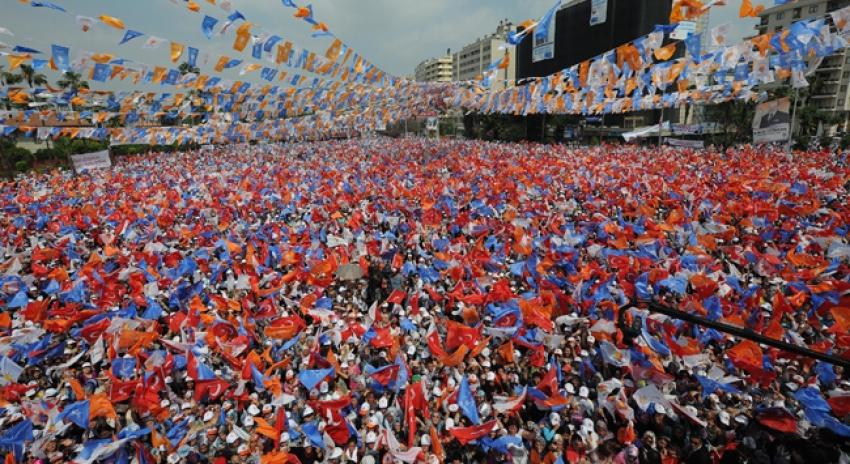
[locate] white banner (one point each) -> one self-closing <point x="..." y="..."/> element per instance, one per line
<point x="686" y="143"/>
<point x="207" y="147"/>
<point x="772" y="121"/>
<point x="598" y="12"/>
<point x="683" y="30"/>
<point x="96" y="160"/>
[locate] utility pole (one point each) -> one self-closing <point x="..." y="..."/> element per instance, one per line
<point x="660" y="125"/>
<point x="793" y="120"/>
<point x="747" y="334"/>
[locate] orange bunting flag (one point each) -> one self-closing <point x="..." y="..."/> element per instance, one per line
<point x="110" y="21"/>
<point x="747" y="10"/>
<point x="100" y="406"/>
<point x="176" y="51"/>
<point x="243" y="36"/>
<point x="664" y="53"/>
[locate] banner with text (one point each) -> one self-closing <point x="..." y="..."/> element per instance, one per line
<point x="89" y="161"/>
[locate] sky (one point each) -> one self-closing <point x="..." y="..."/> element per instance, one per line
<point x="395" y="35"/>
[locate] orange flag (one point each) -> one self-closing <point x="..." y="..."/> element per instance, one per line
<point x="266" y="429"/>
<point x="79" y="393"/>
<point x="114" y="22"/>
<point x="100" y="406"/>
<point x="747" y="9"/>
<point x="176" y="51"/>
<point x="454" y="359"/>
<point x="747" y="355"/>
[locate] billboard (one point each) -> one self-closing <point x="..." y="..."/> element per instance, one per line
<point x="772" y="121"/>
<point x="598" y="12"/>
<point x="543" y="48"/>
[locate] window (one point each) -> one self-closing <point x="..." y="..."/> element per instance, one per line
<point x="797" y="12"/>
<point x="843" y="88"/>
<point x="780" y="15"/>
<point x="813" y="8"/>
<point x="764" y="21"/>
<point x="845" y="74"/>
<point x="777" y="28"/>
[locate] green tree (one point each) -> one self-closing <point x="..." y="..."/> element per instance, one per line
<point x="31" y="77"/>
<point x="72" y="81"/>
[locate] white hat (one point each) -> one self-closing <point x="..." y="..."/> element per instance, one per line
<point x="554" y="419"/>
<point x="411" y="350"/>
<point x="437" y="391"/>
<point x="426" y="440"/>
<point x="185" y="406"/>
<point x="337" y="452"/>
<point x="490" y="376"/>
<point x="232" y="437"/>
<point x="164" y="403"/>
<point x="308" y="410"/>
<point x="267" y="408"/>
<point x="453" y="407"/>
<point x="323" y="387"/>
<point x="253" y="410"/>
<point x="248" y="421"/>
<point x="583" y="392"/>
<point x="382" y="403"/>
<point x="371" y="437"/>
<point x="284" y="437"/>
<point x="570" y="389"/>
<point x="659" y="409"/>
<point x="208" y="416"/>
<point x="50" y="393"/>
<point x="725" y="418"/>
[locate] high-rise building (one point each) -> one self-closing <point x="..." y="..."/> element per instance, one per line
<point x="435" y="69"/>
<point x="829" y="81"/>
<point x="474" y="59"/>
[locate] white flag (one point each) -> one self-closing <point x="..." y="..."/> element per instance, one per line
<point x="153" y="43"/>
<point x="97" y="351"/>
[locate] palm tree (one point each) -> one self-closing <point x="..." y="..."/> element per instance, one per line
<point x="33" y="78"/>
<point x="72" y="81"/>
<point x="186" y="68"/>
<point x="7" y="78"/>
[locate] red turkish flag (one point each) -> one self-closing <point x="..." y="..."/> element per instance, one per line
<point x="466" y="434"/>
<point x="213" y="389"/>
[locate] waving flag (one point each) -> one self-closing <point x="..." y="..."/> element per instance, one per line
<point x="14" y="437"/>
<point x="311" y="378"/>
<point x="466" y="402"/>
<point x="130" y="35"/>
<point x="78" y="413"/>
<point x="207" y="26"/>
<point x="467" y="434"/>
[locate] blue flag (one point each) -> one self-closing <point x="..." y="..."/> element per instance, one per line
<point x="193" y="56"/>
<point x="20" y="300"/>
<point x="466" y="402"/>
<point x="208" y="25"/>
<point x="130" y="35"/>
<point x="52" y="6"/>
<point x="258" y="378"/>
<point x="541" y="32"/>
<point x="15" y="436"/>
<point x="60" y="57"/>
<point x="311" y="378"/>
<point x="289" y="3"/>
<point x="78" y="413"/>
<point x="101" y="72"/>
<point x="124" y="367"/>
<point x="311" y="429"/>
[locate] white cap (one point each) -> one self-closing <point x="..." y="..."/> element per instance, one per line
<point x="248" y="421"/>
<point x="453" y="407"/>
<point x="660" y="409"/>
<point x="337" y="452"/>
<point x="583" y="392"/>
<point x="382" y="403"/>
<point x="232" y="437"/>
<point x="371" y="437"/>
<point x="426" y="440"/>
<point x="437" y="391"/>
<point x="185" y="406"/>
<point x="308" y="410"/>
<point x="253" y="410"/>
<point x="208" y="416"/>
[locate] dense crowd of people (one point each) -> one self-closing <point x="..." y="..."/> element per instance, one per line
<point x="380" y="300"/>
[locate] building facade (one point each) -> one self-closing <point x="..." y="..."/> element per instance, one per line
<point x="830" y="80"/>
<point x="435" y="69"/>
<point x="474" y="59"/>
